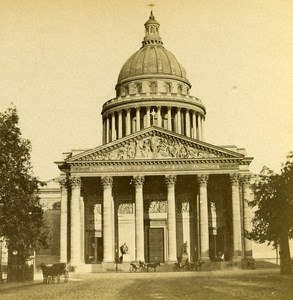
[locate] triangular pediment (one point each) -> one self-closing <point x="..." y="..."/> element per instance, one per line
<point x="154" y="143"/>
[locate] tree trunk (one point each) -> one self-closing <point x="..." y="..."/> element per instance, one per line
<point x="285" y="257"/>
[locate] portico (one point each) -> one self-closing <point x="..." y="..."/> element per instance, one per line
<point x="124" y="199"/>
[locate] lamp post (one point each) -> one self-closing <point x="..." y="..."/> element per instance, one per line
<point x="1" y="245"/>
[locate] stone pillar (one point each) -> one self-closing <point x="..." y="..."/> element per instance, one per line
<point x="139" y="227"/>
<point x="236" y="217"/>
<point x="148" y="117"/>
<point x="63" y="221"/>
<point x="204" y="217"/>
<point x="187" y="118"/>
<point x="82" y="230"/>
<point x="193" y="124"/>
<point x="169" y="116"/>
<point x="202" y="128"/>
<point x="171" y="218"/>
<point x="138" y="119"/>
<point x="179" y="120"/>
<point x="246" y="215"/>
<point x="199" y="127"/>
<point x="159" y="116"/>
<point x="75" y="221"/>
<point x="103" y="133"/>
<point x="120" y="124"/>
<point x="107" y="183"/>
<point x="113" y="127"/>
<point x="107" y="129"/>
<point x="128" y="122"/>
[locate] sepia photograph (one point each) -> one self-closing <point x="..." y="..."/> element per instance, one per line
<point x="146" y="149"/>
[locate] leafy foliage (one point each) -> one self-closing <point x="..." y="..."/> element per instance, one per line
<point x="273" y="203"/>
<point x="21" y="215"/>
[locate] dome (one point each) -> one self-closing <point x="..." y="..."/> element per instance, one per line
<point x="152" y="58"/>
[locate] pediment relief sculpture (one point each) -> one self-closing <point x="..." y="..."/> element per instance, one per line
<point x="152" y="147"/>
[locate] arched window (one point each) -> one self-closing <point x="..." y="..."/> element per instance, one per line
<point x="168" y="87"/>
<point x="138" y="88"/>
<point x="180" y="89"/>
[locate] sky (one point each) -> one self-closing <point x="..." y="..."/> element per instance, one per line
<point x="60" y="60"/>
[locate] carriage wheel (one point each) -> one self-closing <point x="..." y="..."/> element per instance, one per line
<point x="132" y="269"/>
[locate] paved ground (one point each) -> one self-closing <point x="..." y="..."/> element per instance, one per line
<point x="254" y="284"/>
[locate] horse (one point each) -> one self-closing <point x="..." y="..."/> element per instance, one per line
<point x="152" y="266"/>
<point x="51" y="272"/>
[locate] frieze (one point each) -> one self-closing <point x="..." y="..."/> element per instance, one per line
<point x="151" y="147"/>
<point x="125" y="208"/>
<point x="154" y="167"/>
<point x="155" y="207"/>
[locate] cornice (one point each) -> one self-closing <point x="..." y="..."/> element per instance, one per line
<point x="159" y="100"/>
<point x="154" y="97"/>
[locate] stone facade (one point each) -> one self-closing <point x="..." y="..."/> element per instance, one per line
<point x="154" y="184"/>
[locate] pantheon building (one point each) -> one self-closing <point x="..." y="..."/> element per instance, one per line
<point x="155" y="185"/>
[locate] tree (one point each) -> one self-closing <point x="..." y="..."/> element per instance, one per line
<point x="273" y="217"/>
<point x="21" y="215"/>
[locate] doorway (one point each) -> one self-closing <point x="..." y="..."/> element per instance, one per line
<point x="155" y="244"/>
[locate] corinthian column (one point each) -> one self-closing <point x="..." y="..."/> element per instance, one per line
<point x="204" y="217"/>
<point x="172" y="249"/>
<point x="139" y="230"/>
<point x="113" y="127"/>
<point x="107" y="129"/>
<point x="81" y="229"/>
<point x="193" y="124"/>
<point x="63" y="221"/>
<point x="107" y="183"/>
<point x="187" y="122"/>
<point x="236" y="218"/>
<point x="128" y="122"/>
<point x="138" y="119"/>
<point x="199" y="127"/>
<point x="246" y="215"/>
<point x="75" y="221"/>
<point x="148" y="117"/>
<point x="179" y="120"/>
<point x="120" y="124"/>
<point x="169" y="118"/>
<point x="159" y="116"/>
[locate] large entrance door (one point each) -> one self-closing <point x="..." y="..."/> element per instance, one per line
<point x="156" y="244"/>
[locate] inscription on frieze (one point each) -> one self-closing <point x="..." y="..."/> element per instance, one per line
<point x="153" y="167"/>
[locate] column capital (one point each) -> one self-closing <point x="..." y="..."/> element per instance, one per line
<point x="234" y="178"/>
<point x="245" y="179"/>
<point x="202" y="179"/>
<point x="107" y="181"/>
<point x="138" y="180"/>
<point x="170" y="180"/>
<point x="75" y="182"/>
<point x="62" y="183"/>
